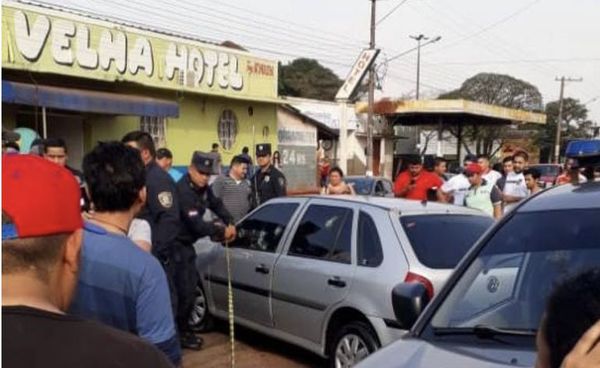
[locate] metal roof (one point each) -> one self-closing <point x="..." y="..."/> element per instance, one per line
<point x="429" y="112"/>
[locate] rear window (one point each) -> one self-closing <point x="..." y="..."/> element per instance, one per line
<point x="440" y="241"/>
<point x="361" y="186"/>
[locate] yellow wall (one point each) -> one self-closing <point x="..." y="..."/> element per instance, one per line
<point x="197" y="126"/>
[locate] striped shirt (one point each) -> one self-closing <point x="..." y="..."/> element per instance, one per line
<point x="236" y="195"/>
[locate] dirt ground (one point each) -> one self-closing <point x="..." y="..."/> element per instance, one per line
<point x="252" y="350"/>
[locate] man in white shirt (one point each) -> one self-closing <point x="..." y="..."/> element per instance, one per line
<point x="489" y="175"/>
<point x="454" y="190"/>
<point x="515" y="188"/>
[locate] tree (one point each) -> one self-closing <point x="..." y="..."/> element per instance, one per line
<point x="307" y="78"/>
<point x="494" y="89"/>
<point x="575" y="124"/>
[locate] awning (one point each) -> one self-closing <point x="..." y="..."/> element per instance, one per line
<point x="86" y="100"/>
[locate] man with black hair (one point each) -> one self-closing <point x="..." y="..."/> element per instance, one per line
<point x="120" y="284"/>
<point x="41" y="262"/>
<point x="489" y="175"/>
<point x="572" y="309"/>
<point x="55" y="150"/>
<point x="515" y="189"/>
<point x="415" y="182"/>
<point x="455" y="189"/>
<point x="507" y="168"/>
<point x="234" y="190"/>
<point x="195" y="199"/>
<point x="532" y="177"/>
<point x="162" y="206"/>
<point x="164" y="159"/>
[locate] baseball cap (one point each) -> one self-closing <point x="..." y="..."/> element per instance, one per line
<point x="40" y="197"/>
<point x="203" y="162"/>
<point x="473" y="169"/>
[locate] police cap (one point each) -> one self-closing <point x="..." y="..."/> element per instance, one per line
<point x="263" y="149"/>
<point x="202" y="162"/>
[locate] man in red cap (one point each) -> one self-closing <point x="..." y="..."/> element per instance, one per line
<point x="41" y="250"/>
<point x="482" y="195"/>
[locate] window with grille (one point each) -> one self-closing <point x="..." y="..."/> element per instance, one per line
<point x="228" y="128"/>
<point x="156" y="127"/>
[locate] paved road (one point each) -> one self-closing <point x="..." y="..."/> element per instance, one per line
<point x="252" y="350"/>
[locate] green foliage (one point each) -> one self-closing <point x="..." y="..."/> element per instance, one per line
<point x="495" y="89"/>
<point x="309" y="79"/>
<point x="575" y="124"/>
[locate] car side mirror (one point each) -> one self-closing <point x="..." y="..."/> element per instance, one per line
<point x="409" y="299"/>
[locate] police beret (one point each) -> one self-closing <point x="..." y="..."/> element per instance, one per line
<point x="203" y="162"/>
<point x="263" y="149"/>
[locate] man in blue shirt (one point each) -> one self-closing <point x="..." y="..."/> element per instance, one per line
<point x="120" y="284"/>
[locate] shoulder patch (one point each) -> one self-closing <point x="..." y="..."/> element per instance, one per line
<point x="165" y="199"/>
<point x="282" y="181"/>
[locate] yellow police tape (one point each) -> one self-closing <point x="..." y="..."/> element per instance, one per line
<point x="230" y="304"/>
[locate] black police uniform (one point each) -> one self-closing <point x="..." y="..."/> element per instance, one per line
<point x="162" y="213"/>
<point x="268" y="184"/>
<point x="193" y="203"/>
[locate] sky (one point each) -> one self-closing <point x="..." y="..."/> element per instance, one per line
<point x="533" y="40"/>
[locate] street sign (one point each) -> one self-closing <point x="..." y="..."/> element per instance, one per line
<point x="362" y="64"/>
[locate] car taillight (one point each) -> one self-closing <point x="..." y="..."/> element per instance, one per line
<point x="413" y="277"/>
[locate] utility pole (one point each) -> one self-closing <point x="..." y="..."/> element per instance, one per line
<point x="371" y="96"/>
<point x="562" y="81"/>
<point x="419" y="38"/>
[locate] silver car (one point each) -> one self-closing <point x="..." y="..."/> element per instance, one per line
<point x="488" y="313"/>
<point x="319" y="271"/>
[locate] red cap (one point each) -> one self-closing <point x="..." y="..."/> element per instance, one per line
<point x="473" y="169"/>
<point x="40" y="197"/>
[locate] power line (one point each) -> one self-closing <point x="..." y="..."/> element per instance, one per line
<point x="523" y="61"/>
<point x="391" y="12"/>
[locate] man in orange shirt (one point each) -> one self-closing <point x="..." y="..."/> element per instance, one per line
<point x="415" y="182"/>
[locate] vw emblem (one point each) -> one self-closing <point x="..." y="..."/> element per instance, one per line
<point x="493" y="284"/>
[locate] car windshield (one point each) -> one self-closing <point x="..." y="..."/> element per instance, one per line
<point x="547" y="170"/>
<point x="507" y="285"/>
<point x="440" y="241"/>
<point x="361" y="185"/>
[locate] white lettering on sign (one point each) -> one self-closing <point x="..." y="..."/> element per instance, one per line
<point x="141" y="57"/>
<point x="291" y="157"/>
<point x="72" y="43"/>
<point x="210" y="60"/>
<point x="196" y="63"/>
<point x="30" y="41"/>
<point x="61" y="42"/>
<point x="86" y="56"/>
<point x="176" y="59"/>
<point x="113" y="47"/>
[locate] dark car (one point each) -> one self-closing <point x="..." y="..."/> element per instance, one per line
<point x="488" y="313"/>
<point x="548" y="172"/>
<point x="371" y="185"/>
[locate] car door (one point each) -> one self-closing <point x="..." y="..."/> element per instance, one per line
<point x="316" y="269"/>
<point x="253" y="256"/>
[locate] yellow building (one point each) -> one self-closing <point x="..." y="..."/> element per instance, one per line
<point x="87" y="80"/>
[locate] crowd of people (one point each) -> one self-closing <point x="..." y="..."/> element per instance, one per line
<point x="477" y="185"/>
<point x="138" y="218"/>
<point x="99" y="269"/>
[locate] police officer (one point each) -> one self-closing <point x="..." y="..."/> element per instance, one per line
<point x="162" y="207"/>
<point x="195" y="198"/>
<point x="268" y="182"/>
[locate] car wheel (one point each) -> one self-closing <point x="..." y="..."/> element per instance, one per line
<point x="200" y="319"/>
<point x="351" y="344"/>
